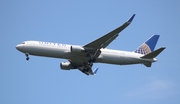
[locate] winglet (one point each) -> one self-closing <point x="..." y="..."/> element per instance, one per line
<point x="131" y="19"/>
<point x="95" y="71"/>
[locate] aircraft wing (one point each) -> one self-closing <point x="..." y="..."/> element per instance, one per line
<point x="93" y="50"/>
<point x="105" y="40"/>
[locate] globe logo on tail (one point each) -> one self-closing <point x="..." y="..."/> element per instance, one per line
<point x="143" y="49"/>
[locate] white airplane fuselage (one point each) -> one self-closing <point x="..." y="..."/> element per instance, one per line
<point x="64" y="51"/>
<point x="83" y="57"/>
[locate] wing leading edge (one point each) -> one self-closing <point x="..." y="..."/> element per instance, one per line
<point x="105" y="40"/>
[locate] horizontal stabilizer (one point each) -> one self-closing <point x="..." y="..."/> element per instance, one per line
<point x="148" y="64"/>
<point x="154" y="53"/>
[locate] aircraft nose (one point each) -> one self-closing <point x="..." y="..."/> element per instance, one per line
<point x="19" y="47"/>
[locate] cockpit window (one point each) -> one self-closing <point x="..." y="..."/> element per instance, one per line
<point x="23" y="43"/>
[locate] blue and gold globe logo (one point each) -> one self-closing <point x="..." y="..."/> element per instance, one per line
<point x="143" y="49"/>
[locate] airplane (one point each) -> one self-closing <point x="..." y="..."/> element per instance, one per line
<point x="83" y="57"/>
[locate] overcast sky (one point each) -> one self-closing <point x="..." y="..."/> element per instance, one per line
<point x="41" y="81"/>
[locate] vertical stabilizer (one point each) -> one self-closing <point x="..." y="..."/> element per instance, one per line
<point x="148" y="46"/>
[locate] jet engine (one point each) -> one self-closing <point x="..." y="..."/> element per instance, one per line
<point x="77" y="49"/>
<point x="67" y="66"/>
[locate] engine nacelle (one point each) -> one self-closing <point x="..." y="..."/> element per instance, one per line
<point x="77" y="49"/>
<point x="66" y="66"/>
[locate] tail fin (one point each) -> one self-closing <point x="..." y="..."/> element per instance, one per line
<point x="148" y="46"/>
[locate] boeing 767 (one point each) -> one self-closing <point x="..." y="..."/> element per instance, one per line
<point x="83" y="57"/>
